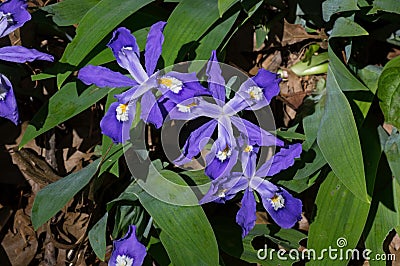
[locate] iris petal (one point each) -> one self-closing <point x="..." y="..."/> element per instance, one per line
<point x="155" y="39"/>
<point x="19" y="15"/>
<point x="246" y="216"/>
<point x="20" y="54"/>
<point x="8" y="103"/>
<point x="130" y="247"/>
<point x="216" y="83"/>
<point x="104" y="77"/>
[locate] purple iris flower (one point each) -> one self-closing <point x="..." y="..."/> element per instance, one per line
<point x="13" y="14"/>
<point x="126" y="51"/>
<point x="128" y="251"/>
<point x="284" y="209"/>
<point x="253" y="94"/>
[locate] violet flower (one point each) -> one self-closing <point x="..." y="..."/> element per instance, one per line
<point x="284" y="209"/>
<point x="128" y="251"/>
<point x="254" y="94"/>
<point x="126" y="51"/>
<point x="13" y="14"/>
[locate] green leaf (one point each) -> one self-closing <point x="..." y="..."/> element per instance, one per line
<point x="316" y="65"/>
<point x="97" y="237"/>
<point x="392" y="151"/>
<point x="69" y="12"/>
<point x="90" y="32"/>
<point x="345" y="27"/>
<point x="330" y="7"/>
<point x="338" y="215"/>
<point x="346" y="80"/>
<point x="66" y="103"/>
<point x="385" y="5"/>
<point x="42" y="76"/>
<point x="229" y="238"/>
<point x="339" y="141"/>
<point x="188" y="22"/>
<point x="224" y="5"/>
<point x="53" y="197"/>
<point x="389" y="95"/>
<point x="384" y="215"/>
<point x="184" y="229"/>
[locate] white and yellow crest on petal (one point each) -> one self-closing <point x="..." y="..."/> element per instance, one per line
<point x="122" y="112"/>
<point x="173" y="84"/>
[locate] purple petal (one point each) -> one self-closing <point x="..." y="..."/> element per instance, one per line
<point x="216" y="82"/>
<point x="287" y="215"/>
<point x="190" y="87"/>
<point x="254" y="134"/>
<point x="196" y="142"/>
<point x="220" y="160"/>
<point x="256" y="92"/>
<point x="151" y="113"/>
<point x="280" y="161"/>
<point x="248" y="158"/>
<point x="127" y="96"/>
<point x="18" y="16"/>
<point x="128" y="248"/>
<point x="20" y="54"/>
<point x="194" y="107"/>
<point x="117" y="130"/>
<point x="126" y="51"/>
<point x="8" y="103"/>
<point x="225" y="188"/>
<point x="269" y="82"/>
<point x="246" y="216"/>
<point x="155" y="39"/>
<point x="104" y="77"/>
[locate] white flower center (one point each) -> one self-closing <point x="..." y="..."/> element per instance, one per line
<point x="277" y="201"/>
<point x="3" y="93"/>
<point x="185" y="108"/>
<point x="224" y="154"/>
<point x="255" y="93"/>
<point x="6" y="16"/>
<point x="124" y="261"/>
<point x="173" y="84"/>
<point x="122" y="112"/>
<point x="221" y="193"/>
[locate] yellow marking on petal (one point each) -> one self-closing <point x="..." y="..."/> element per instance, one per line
<point x="277" y="201"/>
<point x="122" y="112"/>
<point x="248" y="148"/>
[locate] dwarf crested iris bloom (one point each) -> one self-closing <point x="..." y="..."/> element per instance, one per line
<point x="254" y="94"/>
<point x="13" y="14"/>
<point x="128" y="251"/>
<point x="284" y="209"/>
<point x="126" y="51"/>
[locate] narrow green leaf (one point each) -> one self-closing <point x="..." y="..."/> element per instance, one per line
<point x="53" y="197"/>
<point x="385" y="216"/>
<point x="193" y="233"/>
<point x="224" y="5"/>
<point x="345" y="27"/>
<point x="66" y="103"/>
<point x="91" y="31"/>
<point x="347" y="81"/>
<point x="392" y="151"/>
<point x="339" y="215"/>
<point x="339" y="141"/>
<point x="188" y="22"/>
<point x="42" y="76"/>
<point x="389" y="94"/>
<point x="97" y="237"/>
<point x="69" y="12"/>
<point x="330" y="7"/>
